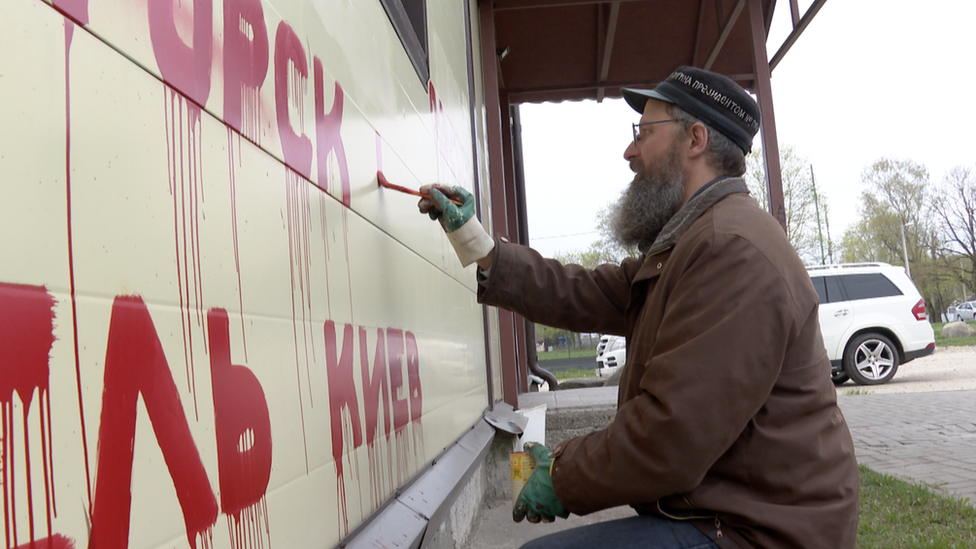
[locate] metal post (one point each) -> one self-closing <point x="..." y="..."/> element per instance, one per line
<point x="764" y="89"/>
<point x="496" y="172"/>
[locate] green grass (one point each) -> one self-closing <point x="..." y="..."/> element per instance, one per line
<point x="563" y="353"/>
<point x="900" y="515"/>
<point x="857" y="392"/>
<point x="575" y="373"/>
<point x="955" y="341"/>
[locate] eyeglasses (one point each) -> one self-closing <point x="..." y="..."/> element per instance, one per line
<point x="638" y="133"/>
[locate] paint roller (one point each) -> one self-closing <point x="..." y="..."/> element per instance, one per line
<point x="386" y="184"/>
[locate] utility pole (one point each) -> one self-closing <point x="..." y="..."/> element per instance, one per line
<point x="816" y="204"/>
<point x="904" y="247"/>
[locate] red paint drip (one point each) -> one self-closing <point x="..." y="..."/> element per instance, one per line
<point x="184" y="150"/>
<point x="292" y="181"/>
<point x="245" y="527"/>
<point x="324" y="229"/>
<point x="26" y="338"/>
<point x="232" y="172"/>
<point x="69" y="29"/>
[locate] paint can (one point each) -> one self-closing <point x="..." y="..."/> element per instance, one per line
<point x="522" y="466"/>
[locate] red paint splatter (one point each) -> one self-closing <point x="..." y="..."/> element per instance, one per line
<point x="26" y="338"/>
<point x="245" y="65"/>
<point x="243" y="428"/>
<point x="291" y="80"/>
<point x="135" y="366"/>
<point x="184" y="67"/>
<point x="184" y="150"/>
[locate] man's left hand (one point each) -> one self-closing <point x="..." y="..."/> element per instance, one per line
<point x="538" y="500"/>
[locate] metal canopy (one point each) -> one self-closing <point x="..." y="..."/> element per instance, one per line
<point x="555" y="50"/>
<point x="558" y="50"/>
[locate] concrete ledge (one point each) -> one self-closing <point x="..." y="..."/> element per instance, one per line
<point x="405" y="520"/>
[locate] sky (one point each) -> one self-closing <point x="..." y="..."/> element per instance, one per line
<point x="867" y="79"/>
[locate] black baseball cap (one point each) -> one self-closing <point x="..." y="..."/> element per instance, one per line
<point x="711" y="97"/>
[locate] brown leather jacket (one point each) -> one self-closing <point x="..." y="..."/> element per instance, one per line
<point x="726" y="412"/>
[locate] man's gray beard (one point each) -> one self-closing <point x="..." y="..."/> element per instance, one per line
<point x="649" y="202"/>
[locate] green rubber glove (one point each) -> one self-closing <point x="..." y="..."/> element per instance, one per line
<point x="538" y="500"/>
<point x="440" y="207"/>
<point x="464" y="231"/>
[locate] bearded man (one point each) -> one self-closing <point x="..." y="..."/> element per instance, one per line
<point x="727" y="431"/>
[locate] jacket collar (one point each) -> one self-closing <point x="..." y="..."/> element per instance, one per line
<point x="707" y="196"/>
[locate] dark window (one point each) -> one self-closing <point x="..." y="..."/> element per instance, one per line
<point x="409" y="18"/>
<point x="828" y="289"/>
<point x="834" y="291"/>
<point x="867" y="286"/>
<point x="818" y="284"/>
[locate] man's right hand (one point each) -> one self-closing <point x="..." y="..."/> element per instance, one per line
<point x="464" y="231"/>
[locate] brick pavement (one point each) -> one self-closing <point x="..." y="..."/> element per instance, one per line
<point x="924" y="437"/>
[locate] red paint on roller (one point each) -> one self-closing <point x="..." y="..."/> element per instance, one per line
<point x="383" y="182"/>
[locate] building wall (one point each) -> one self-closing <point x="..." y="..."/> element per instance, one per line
<point x="215" y="329"/>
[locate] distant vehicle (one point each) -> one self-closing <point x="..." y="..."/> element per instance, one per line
<point x="872" y="318"/>
<point x="966" y="311"/>
<point x="611" y="355"/>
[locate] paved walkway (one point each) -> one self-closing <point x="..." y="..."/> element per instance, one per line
<point x="921" y="437"/>
<point x="924" y="437"/>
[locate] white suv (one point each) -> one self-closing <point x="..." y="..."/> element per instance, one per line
<point x="611" y="354"/>
<point x="872" y="319"/>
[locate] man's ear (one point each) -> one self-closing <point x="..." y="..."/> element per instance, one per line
<point x="699" y="137"/>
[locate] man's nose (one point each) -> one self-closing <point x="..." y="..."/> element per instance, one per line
<point x="631" y="152"/>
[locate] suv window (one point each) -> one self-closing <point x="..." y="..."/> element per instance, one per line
<point x="870" y="285"/>
<point x="828" y="288"/>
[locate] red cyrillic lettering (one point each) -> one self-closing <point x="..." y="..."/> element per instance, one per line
<point x="245" y="56"/>
<point x="342" y="389"/>
<point x="372" y="386"/>
<point x="296" y="148"/>
<point x="134" y="365"/>
<point x="242" y="423"/>
<point x="185" y="67"/>
<point x="394" y="343"/>
<point x="327" y="134"/>
<point x="413" y="377"/>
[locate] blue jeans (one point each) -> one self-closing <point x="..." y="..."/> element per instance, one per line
<point x="644" y="532"/>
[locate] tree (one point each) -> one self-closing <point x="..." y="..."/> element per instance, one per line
<point x="954" y="206"/>
<point x="895" y="223"/>
<point x="893" y="202"/>
<point x="806" y="211"/>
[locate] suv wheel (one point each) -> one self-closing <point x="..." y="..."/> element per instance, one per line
<point x="871" y="359"/>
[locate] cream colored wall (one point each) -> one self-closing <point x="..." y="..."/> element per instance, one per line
<point x="139" y="193"/>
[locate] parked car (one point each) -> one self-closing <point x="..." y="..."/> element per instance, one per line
<point x="966" y="311"/>
<point x="873" y="319"/>
<point x="611" y="355"/>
